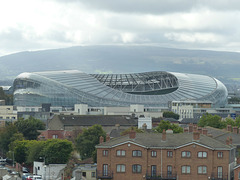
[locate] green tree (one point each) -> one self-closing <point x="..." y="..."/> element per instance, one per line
<point x="57" y="151"/>
<point x="237" y="121"/>
<point x="6" y="136"/>
<point x="170" y="114"/>
<point x="54" y="151"/>
<point x="20" y="151"/>
<point x="131" y="128"/>
<point x="210" y="120"/>
<point x="167" y="125"/>
<point x="29" y="127"/>
<point x="86" y="142"/>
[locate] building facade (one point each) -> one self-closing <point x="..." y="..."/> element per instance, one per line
<point x="151" y="89"/>
<point x="164" y="156"/>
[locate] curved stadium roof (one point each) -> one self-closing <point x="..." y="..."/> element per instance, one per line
<point x="152" y="89"/>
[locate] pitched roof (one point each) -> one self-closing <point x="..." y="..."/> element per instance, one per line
<point x="153" y="140"/>
<point x="89" y="120"/>
<point x="222" y="134"/>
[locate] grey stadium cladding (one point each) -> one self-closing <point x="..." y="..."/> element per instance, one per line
<point x="151" y="89"/>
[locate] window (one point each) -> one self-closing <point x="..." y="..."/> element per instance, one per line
<point x="105" y="169"/>
<point x="239" y="175"/>
<point x="121" y="168"/>
<point x="220" y="154"/>
<point x="136" y="168"/>
<point x="186" y="154"/>
<point x="202" y="169"/>
<point x="121" y="152"/>
<point x="153" y="170"/>
<point x="84" y="174"/>
<point x="93" y="174"/>
<point x="186" y="169"/>
<point x="154" y="153"/>
<point x="105" y="152"/>
<point x="169" y="171"/>
<point x="219" y="172"/>
<point x="202" y="154"/>
<point x="55" y="136"/>
<point x="169" y="154"/>
<point x="136" y="153"/>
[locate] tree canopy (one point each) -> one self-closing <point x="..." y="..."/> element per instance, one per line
<point x="212" y="121"/>
<point x="131" y="128"/>
<point x="29" y="127"/>
<point x="7" y="97"/>
<point x="55" y="151"/>
<point x="86" y="142"/>
<point x="167" y="125"/>
<point x="7" y="135"/>
<point x="170" y="114"/>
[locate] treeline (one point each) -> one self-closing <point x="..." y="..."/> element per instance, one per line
<point x="217" y="122"/>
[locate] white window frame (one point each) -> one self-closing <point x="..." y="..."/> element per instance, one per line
<point x="121" y="168"/>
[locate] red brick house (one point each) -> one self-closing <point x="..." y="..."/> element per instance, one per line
<point x="55" y="134"/>
<point x="185" y="156"/>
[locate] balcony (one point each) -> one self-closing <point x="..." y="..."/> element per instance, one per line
<point x="161" y="176"/>
<point x="104" y="174"/>
<point x="216" y="176"/>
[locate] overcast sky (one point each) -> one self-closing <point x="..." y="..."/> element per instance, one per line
<point x="27" y="25"/>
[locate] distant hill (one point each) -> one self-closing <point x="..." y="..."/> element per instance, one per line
<point x="123" y="59"/>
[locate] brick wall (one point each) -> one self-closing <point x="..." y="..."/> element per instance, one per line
<point x="176" y="161"/>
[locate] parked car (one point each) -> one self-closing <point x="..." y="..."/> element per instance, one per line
<point x="25" y="175"/>
<point x="34" y="177"/>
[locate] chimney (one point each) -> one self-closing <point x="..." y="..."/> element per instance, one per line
<point x="195" y="128"/>
<point x="229" y="128"/>
<point x="164" y="135"/>
<point x="227" y="141"/>
<point x="200" y="130"/>
<point x="101" y="139"/>
<point x="204" y="131"/>
<point x="132" y="134"/>
<point x="117" y="127"/>
<point x="235" y="129"/>
<point x="186" y="130"/>
<point x="144" y="126"/>
<point x="190" y="127"/>
<point x="196" y="136"/>
<point x="107" y="138"/>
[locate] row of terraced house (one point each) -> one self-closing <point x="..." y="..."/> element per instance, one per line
<point x="186" y="156"/>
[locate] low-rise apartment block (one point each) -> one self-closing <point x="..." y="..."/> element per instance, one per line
<point x="185" y="156"/>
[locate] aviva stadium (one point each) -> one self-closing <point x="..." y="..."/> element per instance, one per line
<point x="151" y="89"/>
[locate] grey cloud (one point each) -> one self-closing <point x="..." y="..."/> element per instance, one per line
<point x="158" y="6"/>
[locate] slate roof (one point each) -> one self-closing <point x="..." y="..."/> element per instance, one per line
<point x="89" y="120"/>
<point x="222" y="135"/>
<point x="153" y="140"/>
<point x="189" y="120"/>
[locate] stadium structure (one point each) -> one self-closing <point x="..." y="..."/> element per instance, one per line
<point x="151" y="89"/>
